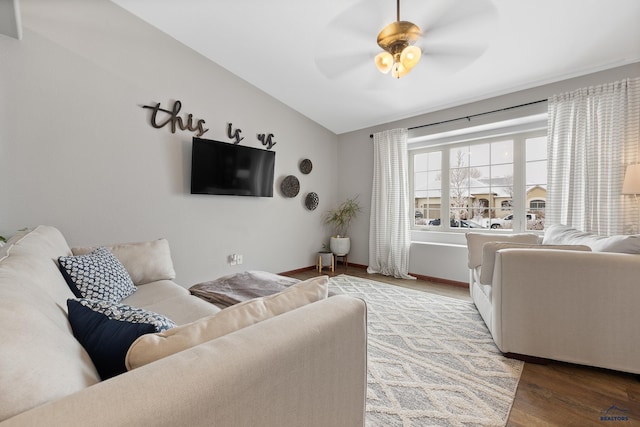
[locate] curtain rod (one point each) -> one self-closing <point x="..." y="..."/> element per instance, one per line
<point x="475" y="115"/>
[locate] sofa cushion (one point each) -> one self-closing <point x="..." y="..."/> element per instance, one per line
<point x="183" y="309"/>
<point x="172" y="300"/>
<point x="145" y="262"/>
<point x="39" y="249"/>
<point x="155" y="292"/>
<point x="107" y="330"/>
<point x="475" y="242"/>
<point x="565" y="235"/>
<point x="489" y="250"/>
<point x="40" y="360"/>
<point x="97" y="275"/>
<point x="149" y="348"/>
<point x="4" y="249"/>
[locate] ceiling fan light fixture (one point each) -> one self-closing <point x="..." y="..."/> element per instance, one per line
<point x="384" y="62"/>
<point x="396" y="39"/>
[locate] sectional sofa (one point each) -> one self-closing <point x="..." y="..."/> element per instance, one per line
<point x="296" y="358"/>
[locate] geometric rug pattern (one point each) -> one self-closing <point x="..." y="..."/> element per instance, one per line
<point x="431" y="359"/>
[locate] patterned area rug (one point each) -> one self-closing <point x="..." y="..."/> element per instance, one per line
<point x="432" y="361"/>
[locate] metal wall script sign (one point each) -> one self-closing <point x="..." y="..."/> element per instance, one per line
<point x="161" y="117"/>
<point x="174" y="120"/>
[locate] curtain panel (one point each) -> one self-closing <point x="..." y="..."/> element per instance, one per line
<point x="592" y="137"/>
<point x="389" y="228"/>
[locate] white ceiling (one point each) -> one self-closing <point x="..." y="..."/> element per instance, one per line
<point x="317" y="56"/>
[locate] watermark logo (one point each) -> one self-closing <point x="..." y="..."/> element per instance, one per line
<point x="614" y="413"/>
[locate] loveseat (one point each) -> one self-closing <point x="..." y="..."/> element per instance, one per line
<point x="569" y="296"/>
<point x="274" y="361"/>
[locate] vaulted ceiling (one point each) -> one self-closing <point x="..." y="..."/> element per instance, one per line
<point x="318" y="56"/>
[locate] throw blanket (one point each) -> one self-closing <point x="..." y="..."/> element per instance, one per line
<point x="232" y="289"/>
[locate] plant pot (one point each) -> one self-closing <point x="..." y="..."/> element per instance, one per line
<point x="325" y="258"/>
<point x="340" y="246"/>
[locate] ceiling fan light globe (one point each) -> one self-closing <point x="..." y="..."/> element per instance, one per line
<point x="384" y="62"/>
<point x="410" y="57"/>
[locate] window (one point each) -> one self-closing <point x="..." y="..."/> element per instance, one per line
<point x="493" y="183"/>
<point x="537" y="205"/>
<point x="427" y="187"/>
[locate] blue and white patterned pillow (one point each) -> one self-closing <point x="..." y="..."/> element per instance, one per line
<point x="106" y="330"/>
<point x="97" y="275"/>
<point x="126" y="313"/>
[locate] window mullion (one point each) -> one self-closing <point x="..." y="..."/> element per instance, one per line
<point x="519" y="173"/>
<point x="445" y="204"/>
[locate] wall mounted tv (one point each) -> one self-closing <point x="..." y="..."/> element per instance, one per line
<point x="229" y="169"/>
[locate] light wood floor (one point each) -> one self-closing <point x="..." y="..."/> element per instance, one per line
<point x="556" y="394"/>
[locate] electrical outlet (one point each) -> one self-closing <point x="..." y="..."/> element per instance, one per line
<point x="232" y="259"/>
<point x="239" y="259"/>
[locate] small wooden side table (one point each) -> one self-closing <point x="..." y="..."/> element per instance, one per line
<point x="344" y="258"/>
<point x="319" y="263"/>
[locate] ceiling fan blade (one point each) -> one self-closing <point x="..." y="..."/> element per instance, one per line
<point x="337" y="65"/>
<point x="449" y="59"/>
<point x="458" y="16"/>
<point x="363" y="20"/>
<point x="349" y="40"/>
<point x="453" y="49"/>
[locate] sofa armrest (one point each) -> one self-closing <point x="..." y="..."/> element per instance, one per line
<point x="578" y="307"/>
<point x="306" y="367"/>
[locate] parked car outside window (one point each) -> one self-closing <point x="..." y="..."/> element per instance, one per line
<point x="507" y="221"/>
<point x="455" y="224"/>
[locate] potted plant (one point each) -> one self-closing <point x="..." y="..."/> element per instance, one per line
<point x="340" y="218"/>
<point x="325" y="257"/>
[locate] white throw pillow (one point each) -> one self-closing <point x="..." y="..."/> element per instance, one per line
<point x="489" y="255"/>
<point x="146" y="262"/>
<point x="559" y="234"/>
<point x="152" y="347"/>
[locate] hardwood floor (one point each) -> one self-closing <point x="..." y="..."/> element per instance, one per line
<point x="556" y="394"/>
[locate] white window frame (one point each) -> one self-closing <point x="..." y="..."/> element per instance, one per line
<point x="446" y="234"/>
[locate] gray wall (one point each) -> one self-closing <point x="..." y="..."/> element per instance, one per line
<point x="77" y="150"/>
<point x="434" y="254"/>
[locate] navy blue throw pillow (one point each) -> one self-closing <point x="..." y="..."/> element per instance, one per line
<point x="107" y="330"/>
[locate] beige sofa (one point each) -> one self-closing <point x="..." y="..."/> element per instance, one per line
<point x="304" y="367"/>
<point x="568" y="296"/>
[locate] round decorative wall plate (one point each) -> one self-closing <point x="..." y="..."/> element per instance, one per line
<point x="290" y="186"/>
<point x="311" y="201"/>
<point x="306" y="166"/>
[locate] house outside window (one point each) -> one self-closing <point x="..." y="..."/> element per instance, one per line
<point x="491" y="183"/>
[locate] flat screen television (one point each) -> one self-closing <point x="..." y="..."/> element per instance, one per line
<point x="230" y="169"/>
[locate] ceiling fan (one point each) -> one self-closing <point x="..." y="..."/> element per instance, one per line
<point x="449" y="35"/>
<point x="399" y="52"/>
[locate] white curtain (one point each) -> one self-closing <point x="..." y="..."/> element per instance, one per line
<point x="389" y="229"/>
<point x="592" y="137"/>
